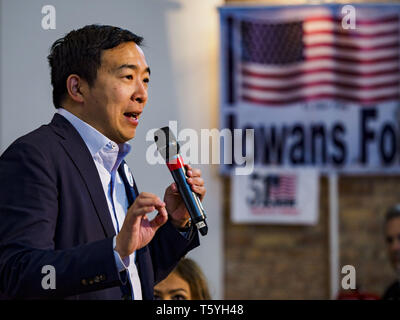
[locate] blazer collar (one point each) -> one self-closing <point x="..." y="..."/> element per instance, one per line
<point x="80" y="155"/>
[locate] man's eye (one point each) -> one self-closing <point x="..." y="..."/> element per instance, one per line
<point x="129" y="77"/>
<point x="146" y="80"/>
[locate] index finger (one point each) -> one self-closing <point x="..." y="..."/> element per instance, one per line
<point x="146" y="195"/>
<point x="194" y="173"/>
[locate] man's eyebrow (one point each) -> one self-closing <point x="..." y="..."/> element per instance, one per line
<point x="133" y="67"/>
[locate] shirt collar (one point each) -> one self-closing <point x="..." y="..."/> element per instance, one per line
<point x="94" y="140"/>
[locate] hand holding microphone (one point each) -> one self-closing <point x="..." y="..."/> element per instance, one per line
<point x="190" y="192"/>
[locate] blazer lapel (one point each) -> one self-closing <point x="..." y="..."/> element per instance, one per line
<point x="76" y="149"/>
<point x="129" y="182"/>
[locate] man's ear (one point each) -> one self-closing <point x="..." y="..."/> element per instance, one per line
<point x="74" y="86"/>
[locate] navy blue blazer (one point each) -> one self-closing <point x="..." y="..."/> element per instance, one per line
<point x="53" y="211"/>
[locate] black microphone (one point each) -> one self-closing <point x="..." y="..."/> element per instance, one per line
<point x="169" y="150"/>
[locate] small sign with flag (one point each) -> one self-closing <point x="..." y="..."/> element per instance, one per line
<point x="280" y="196"/>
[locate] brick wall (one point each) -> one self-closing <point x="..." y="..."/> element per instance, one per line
<point x="276" y="262"/>
<point x="363" y="201"/>
<point x="292" y="262"/>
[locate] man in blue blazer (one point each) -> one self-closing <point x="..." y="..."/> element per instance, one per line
<point x="68" y="201"/>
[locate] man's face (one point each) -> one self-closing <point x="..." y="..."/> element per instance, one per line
<point x="393" y="242"/>
<point x="116" y="99"/>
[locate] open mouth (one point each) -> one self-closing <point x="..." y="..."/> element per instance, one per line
<point x="132" y="115"/>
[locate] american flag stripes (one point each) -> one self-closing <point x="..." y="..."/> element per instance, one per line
<point x="291" y="61"/>
<point x="283" y="188"/>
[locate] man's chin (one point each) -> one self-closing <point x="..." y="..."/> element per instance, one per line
<point x="130" y="136"/>
<point x="126" y="134"/>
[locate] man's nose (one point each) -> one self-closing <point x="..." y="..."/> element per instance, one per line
<point x="140" y="94"/>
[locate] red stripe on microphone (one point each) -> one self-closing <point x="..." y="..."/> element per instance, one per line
<point x="175" y="163"/>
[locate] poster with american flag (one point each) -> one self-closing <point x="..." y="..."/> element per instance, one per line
<point x="318" y="84"/>
<point x="315" y="58"/>
<point x="278" y="196"/>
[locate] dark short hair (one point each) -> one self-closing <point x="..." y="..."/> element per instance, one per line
<point x="79" y="52"/>
<point x="393" y="212"/>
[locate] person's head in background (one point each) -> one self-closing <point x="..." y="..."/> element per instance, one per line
<point x="392" y="236"/>
<point x="185" y="282"/>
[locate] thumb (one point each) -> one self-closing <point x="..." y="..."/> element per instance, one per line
<point x="173" y="187"/>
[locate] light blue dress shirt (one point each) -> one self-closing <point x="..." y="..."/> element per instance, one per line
<point x="107" y="156"/>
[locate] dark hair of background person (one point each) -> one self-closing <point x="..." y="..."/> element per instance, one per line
<point x="189" y="271"/>
<point x="79" y="52"/>
<point x="393" y="212"/>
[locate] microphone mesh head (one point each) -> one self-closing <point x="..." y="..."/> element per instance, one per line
<point x="166" y="143"/>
